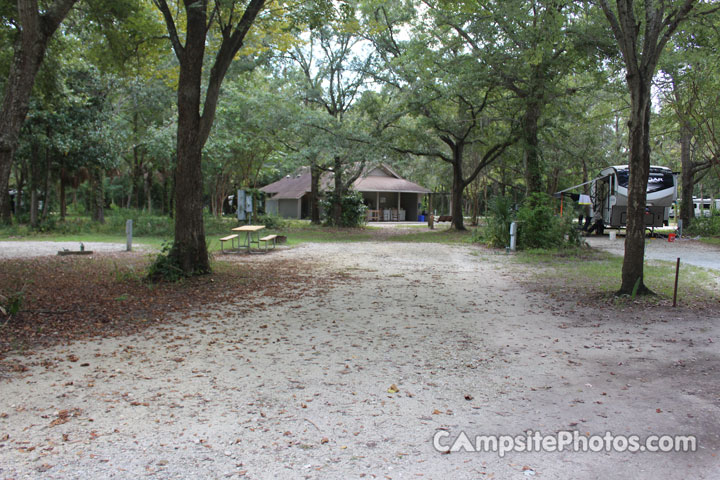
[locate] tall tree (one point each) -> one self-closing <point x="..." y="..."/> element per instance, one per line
<point x="530" y="46"/>
<point x="34" y="28"/>
<point x="641" y="30"/>
<point x="196" y="112"/>
<point x="689" y="93"/>
<point x="334" y="68"/>
<point x="456" y="106"/>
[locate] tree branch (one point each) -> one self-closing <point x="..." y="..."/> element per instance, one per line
<point x="172" y="30"/>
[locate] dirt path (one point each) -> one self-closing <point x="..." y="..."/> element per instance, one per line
<point x="300" y="389"/>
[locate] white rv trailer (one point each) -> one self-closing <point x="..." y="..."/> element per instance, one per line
<point x="704" y="207"/>
<point x="609" y="194"/>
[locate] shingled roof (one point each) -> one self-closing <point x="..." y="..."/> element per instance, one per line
<point x="296" y="185"/>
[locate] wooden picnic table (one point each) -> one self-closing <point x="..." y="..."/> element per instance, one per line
<point x="249" y="231"/>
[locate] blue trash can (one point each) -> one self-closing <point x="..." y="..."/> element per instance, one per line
<point x="421" y="218"/>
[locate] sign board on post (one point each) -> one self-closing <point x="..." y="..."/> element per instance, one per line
<point x="249" y="207"/>
<point x="241" y="205"/>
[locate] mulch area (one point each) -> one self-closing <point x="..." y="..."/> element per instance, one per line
<point x="69" y="298"/>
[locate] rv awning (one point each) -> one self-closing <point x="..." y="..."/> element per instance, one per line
<point x="558" y="194"/>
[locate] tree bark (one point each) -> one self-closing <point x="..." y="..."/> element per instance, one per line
<point x="315" y="174"/>
<point x="339" y="191"/>
<point x="63" y="198"/>
<point x="98" y="196"/>
<point x="33" y="208"/>
<point x="46" y="186"/>
<point x="458" y="187"/>
<point x="29" y="51"/>
<point x="531" y="158"/>
<point x="634" y="259"/>
<point x="687" y="178"/>
<point x="195" y="119"/>
<point x="20" y="177"/>
<point x="148" y="191"/>
<point x="189" y="249"/>
<point x="661" y="20"/>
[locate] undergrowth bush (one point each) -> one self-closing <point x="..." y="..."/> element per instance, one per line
<point x="500" y="215"/>
<point x="271" y="221"/>
<point x="353" y="209"/>
<point x="538" y="225"/>
<point x="165" y="267"/>
<point x="706" y="226"/>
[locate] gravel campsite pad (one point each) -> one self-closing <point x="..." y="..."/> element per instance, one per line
<point x="24" y="249"/>
<point x="355" y="380"/>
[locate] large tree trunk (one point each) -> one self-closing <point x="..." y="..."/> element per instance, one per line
<point x="315" y="173"/>
<point x="20" y="176"/>
<point x="97" y="203"/>
<point x="531" y="158"/>
<point x="687" y="178"/>
<point x="46" y="186"/>
<point x="458" y="187"/>
<point x="33" y="208"/>
<point x="339" y="192"/>
<point x="63" y="198"/>
<point x="189" y="248"/>
<point x="148" y="191"/>
<point x="34" y="33"/>
<point x="641" y="44"/>
<point x="634" y="258"/>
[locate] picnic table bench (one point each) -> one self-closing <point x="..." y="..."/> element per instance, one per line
<point x="267" y="239"/>
<point x="251" y="237"/>
<point x="229" y="238"/>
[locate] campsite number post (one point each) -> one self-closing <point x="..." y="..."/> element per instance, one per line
<point x="513" y="236"/>
<point x="244" y="206"/>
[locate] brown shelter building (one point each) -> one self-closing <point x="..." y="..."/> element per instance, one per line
<point x="389" y="197"/>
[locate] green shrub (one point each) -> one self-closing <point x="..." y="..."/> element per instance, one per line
<point x="271" y="221"/>
<point x="497" y="232"/>
<point x="219" y="225"/>
<point x="353" y="209"/>
<point x="12" y="304"/>
<point x="165" y="267"/>
<point x="540" y="227"/>
<point x="706" y="226"/>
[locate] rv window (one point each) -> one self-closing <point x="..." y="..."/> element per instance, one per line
<point x="623" y="178"/>
<point x="660" y="181"/>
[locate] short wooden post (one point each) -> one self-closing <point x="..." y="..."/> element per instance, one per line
<point x="128" y="231"/>
<point x="677" y="273"/>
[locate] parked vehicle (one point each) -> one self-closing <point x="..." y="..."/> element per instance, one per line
<point x="609" y="195"/>
<point x="705" y="206"/>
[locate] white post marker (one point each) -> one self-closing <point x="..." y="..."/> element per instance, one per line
<point x="513" y="236"/>
<point x="128" y="231"/>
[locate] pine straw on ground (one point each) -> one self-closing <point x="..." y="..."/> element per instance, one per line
<point x="73" y="298"/>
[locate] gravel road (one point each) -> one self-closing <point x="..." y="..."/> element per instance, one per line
<point x="418" y="340"/>
<point x="692" y="252"/>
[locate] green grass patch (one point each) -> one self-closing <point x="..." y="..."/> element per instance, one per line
<point x="588" y="275"/>
<point x="155" y="230"/>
